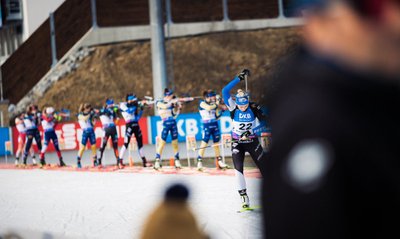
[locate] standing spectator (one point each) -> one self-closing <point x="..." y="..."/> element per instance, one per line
<point x="173" y="218"/>
<point x="333" y="169"/>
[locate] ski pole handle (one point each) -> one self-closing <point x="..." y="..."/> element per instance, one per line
<point x="245" y="80"/>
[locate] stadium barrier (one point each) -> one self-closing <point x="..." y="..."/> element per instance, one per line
<point x="226" y="143"/>
<point x="4" y="137"/>
<point x="191" y="145"/>
<point x="7" y="149"/>
<point x="61" y="143"/>
<point x="69" y="134"/>
<point x="265" y="140"/>
<point x="132" y="147"/>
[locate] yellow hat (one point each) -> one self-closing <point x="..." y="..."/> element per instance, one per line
<point x="173" y="218"/>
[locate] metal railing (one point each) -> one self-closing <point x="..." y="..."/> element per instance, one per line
<point x="10" y="40"/>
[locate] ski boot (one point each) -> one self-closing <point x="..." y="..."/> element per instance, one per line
<point x="244" y="198"/>
<point x="42" y="163"/>
<point x="145" y="163"/>
<point x="221" y="164"/>
<point x="95" y="163"/>
<point x="24" y="162"/>
<point x="200" y="165"/>
<point x="79" y="165"/>
<point x="62" y="164"/>
<point x="157" y="164"/>
<point x="178" y="164"/>
<point x="99" y="163"/>
<point x="120" y="164"/>
<point x="34" y="161"/>
<point x="245" y="201"/>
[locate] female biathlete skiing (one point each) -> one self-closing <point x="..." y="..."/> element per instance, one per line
<point x="244" y="115"/>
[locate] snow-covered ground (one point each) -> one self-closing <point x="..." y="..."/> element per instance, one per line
<point x="66" y="204"/>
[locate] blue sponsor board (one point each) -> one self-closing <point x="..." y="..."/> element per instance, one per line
<point x="190" y="124"/>
<point x="4" y="136"/>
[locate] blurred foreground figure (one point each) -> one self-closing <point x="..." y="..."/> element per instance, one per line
<point x="173" y="219"/>
<point x="333" y="168"/>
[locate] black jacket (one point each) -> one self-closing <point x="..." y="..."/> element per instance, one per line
<point x="349" y="121"/>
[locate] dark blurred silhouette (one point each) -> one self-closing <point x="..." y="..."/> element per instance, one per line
<point x="333" y="168"/>
<point x="173" y="218"/>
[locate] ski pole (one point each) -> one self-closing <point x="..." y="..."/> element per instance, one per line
<point x="245" y="80"/>
<point x="209" y="146"/>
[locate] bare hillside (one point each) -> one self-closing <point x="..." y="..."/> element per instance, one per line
<point x="199" y="63"/>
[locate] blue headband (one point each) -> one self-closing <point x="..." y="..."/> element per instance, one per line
<point x="132" y="97"/>
<point x="211" y="94"/>
<point x="109" y="102"/>
<point x="168" y="93"/>
<point x="242" y="100"/>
